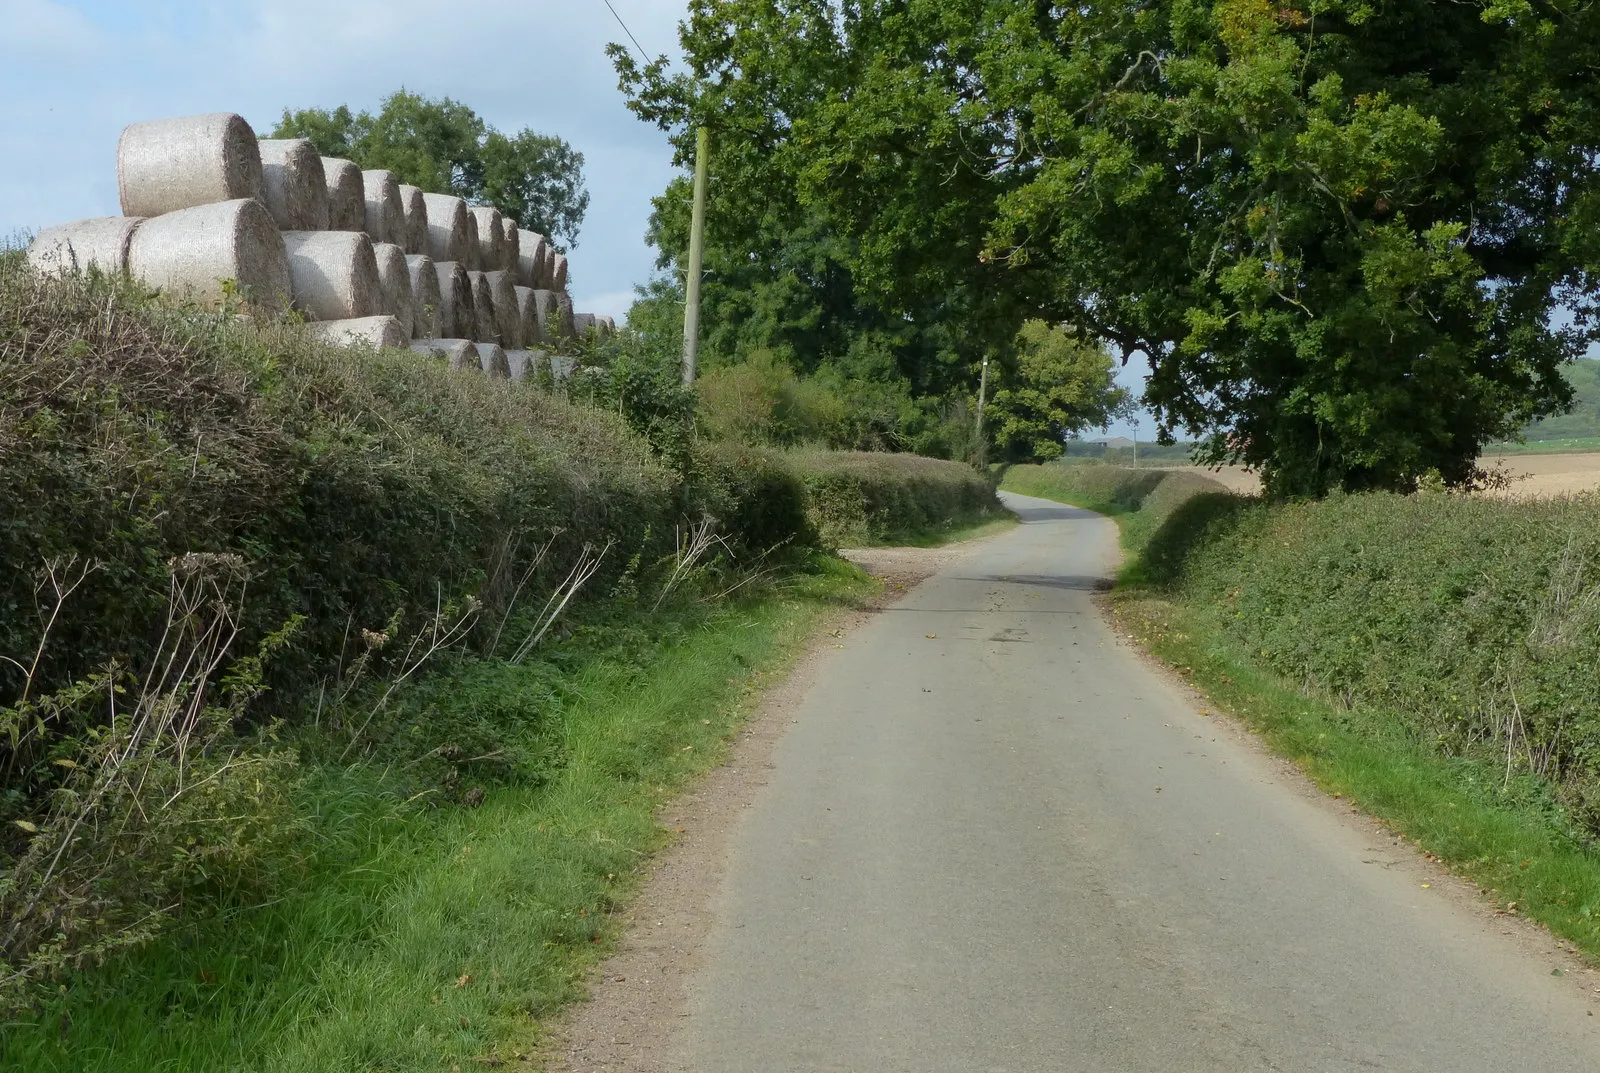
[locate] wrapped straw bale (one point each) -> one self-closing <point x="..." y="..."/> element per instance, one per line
<point x="457" y="315"/>
<point x="385" y="215"/>
<point x="569" y="324"/>
<point x="207" y="251"/>
<point x="425" y="303"/>
<point x="369" y="331"/>
<point x="528" y="316"/>
<point x="494" y="359"/>
<point x="453" y="352"/>
<point x="334" y="274"/>
<point x="347" y="195"/>
<point x="488" y="324"/>
<point x="447" y="228"/>
<point x="295" y="184"/>
<point x="168" y="165"/>
<point x="558" y="272"/>
<point x="68" y="248"/>
<point x="548" y="315"/>
<point x="395" y="277"/>
<point x="416" y="210"/>
<point x="508" y="317"/>
<point x="530" y="253"/>
<point x="510" y="259"/>
<point x="491" y="237"/>
<point x="524" y="363"/>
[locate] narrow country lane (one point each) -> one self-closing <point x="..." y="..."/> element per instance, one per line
<point x="995" y="840"/>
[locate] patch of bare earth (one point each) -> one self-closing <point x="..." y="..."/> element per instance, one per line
<point x="637" y="995"/>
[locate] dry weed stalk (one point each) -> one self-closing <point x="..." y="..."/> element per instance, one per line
<point x="699" y="543"/>
<point x="584" y="569"/>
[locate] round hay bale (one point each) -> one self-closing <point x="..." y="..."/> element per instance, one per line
<point x="488" y="323"/>
<point x="457" y="315"/>
<point x="528" y="316"/>
<point x="473" y="262"/>
<point x="453" y="352"/>
<point x="76" y="247"/>
<point x="558" y="272"/>
<point x="569" y="324"/>
<point x="524" y="363"/>
<point x="608" y="325"/>
<point x="447" y="228"/>
<point x="548" y="314"/>
<point x="425" y="303"/>
<point x="561" y="368"/>
<point x="334" y="274"/>
<point x="295" y="184"/>
<point x="385" y="215"/>
<point x="467" y="360"/>
<point x="547" y="260"/>
<point x="491" y="237"/>
<point x="510" y="257"/>
<point x="583" y="325"/>
<point x="508" y="317"/>
<point x="168" y="165"/>
<point x="361" y="331"/>
<point x="530" y="252"/>
<point x="395" y="277"/>
<point x="416" y="210"/>
<point x="210" y="251"/>
<point x="495" y="362"/>
<point x="347" y="195"/>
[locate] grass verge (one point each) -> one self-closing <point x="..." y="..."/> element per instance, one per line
<point x="1503" y="833"/>
<point x="438" y="938"/>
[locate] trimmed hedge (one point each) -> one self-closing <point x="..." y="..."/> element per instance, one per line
<point x="1473" y="623"/>
<point x="856" y="498"/>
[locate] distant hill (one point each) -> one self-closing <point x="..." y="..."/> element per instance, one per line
<point x="1584" y="420"/>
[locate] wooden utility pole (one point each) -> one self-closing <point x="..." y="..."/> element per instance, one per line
<point x="697" y="252"/>
<point x="983" y="398"/>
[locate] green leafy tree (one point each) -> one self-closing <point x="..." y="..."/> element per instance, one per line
<point x="1060" y="387"/>
<point x="444" y="147"/>
<point x="1339" y="230"/>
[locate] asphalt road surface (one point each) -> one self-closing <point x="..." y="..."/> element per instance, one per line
<point x="996" y="840"/>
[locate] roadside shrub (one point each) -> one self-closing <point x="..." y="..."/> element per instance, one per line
<point x="856" y="497"/>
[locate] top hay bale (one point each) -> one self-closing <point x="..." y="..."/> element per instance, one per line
<point x="167" y="165"/>
<point x="447" y="228"/>
<point x="491" y="237"/>
<point x="386" y="216"/>
<point x="530" y="257"/>
<point x="75" y="247"/>
<point x="509" y="257"/>
<point x="416" y="210"/>
<point x="347" y="195"/>
<point x="295" y="185"/>
<point x="558" y="272"/>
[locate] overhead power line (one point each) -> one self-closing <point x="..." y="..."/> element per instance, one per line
<point x="629" y="32"/>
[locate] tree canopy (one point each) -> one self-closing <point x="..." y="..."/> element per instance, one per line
<point x="1341" y="230"/>
<point x="444" y="147"/>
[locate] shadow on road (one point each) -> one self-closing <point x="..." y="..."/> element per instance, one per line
<point x="1053" y="512"/>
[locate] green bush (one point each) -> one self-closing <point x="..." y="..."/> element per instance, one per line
<point x="855" y="498"/>
<point x="1472" y="623"/>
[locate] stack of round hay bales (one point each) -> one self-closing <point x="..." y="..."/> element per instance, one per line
<point x="491" y="238"/>
<point x="213" y="253"/>
<point x="458" y="316"/>
<point x="395" y="277"/>
<point x="168" y="165"/>
<point x="424" y="295"/>
<point x="508" y="319"/>
<point x="347" y="195"/>
<point x="447" y="227"/>
<point x="416" y="213"/>
<point x="363" y="331"/>
<point x="77" y="247"/>
<point x="488" y="323"/>
<point x="295" y="184"/>
<point x="334" y="274"/>
<point x="385" y="215"/>
<point x="528" y="317"/>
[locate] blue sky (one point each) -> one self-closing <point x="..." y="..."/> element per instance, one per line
<point x="76" y="73"/>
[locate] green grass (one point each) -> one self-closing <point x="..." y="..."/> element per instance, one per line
<point x="424" y="938"/>
<point x="956" y="534"/>
<point x="1235" y="593"/>
<point x="1570" y="445"/>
